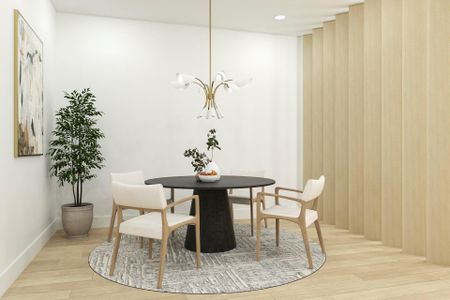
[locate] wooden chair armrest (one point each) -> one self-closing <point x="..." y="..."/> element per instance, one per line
<point x="261" y="194"/>
<point x="279" y="188"/>
<point x="182" y="200"/>
<point x="138" y="208"/>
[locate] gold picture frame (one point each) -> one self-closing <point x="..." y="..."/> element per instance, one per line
<point x="28" y="89"/>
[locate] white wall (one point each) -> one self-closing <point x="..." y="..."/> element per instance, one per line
<point x="26" y="209"/>
<point x="148" y="124"/>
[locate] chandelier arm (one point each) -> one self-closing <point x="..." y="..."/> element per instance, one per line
<point x="199" y="82"/>
<point x="220" y="84"/>
<point x="202" y="85"/>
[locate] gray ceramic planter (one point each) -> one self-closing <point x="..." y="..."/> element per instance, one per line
<point x="77" y="220"/>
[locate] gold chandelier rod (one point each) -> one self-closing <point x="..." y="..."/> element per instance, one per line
<point x="210" y="47"/>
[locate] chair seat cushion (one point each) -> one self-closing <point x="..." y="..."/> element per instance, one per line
<point x="291" y="212"/>
<point x="150" y="225"/>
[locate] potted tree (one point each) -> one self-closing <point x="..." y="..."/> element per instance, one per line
<point x="75" y="153"/>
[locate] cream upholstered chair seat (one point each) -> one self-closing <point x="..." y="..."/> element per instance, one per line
<point x="291" y="212"/>
<point x="150" y="225"/>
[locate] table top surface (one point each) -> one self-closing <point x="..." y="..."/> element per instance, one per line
<point x="225" y="182"/>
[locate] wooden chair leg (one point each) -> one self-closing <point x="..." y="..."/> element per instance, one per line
<point x="197" y="243"/>
<point x="258" y="238"/>
<point x="264" y="207"/>
<point x="162" y="260"/>
<point x="306" y="242"/>
<point x="150" y="248"/>
<point x="319" y="235"/>
<point x="111" y="223"/>
<point x="114" y="255"/>
<point x="277" y="232"/>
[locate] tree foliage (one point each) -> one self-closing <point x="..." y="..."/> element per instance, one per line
<point x="75" y="150"/>
<point x="212" y="142"/>
<point x="199" y="159"/>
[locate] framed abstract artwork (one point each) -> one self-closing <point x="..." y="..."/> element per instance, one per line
<point x="28" y="89"/>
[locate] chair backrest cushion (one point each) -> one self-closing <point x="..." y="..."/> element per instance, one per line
<point x="136" y="177"/>
<point x="313" y="189"/>
<point x="139" y="196"/>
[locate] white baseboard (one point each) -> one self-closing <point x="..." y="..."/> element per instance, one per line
<point x="18" y="265"/>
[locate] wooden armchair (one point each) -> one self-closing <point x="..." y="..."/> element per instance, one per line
<point x="157" y="224"/>
<point x="134" y="178"/>
<point x="304" y="214"/>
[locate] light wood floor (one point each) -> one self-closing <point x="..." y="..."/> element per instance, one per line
<point x="355" y="269"/>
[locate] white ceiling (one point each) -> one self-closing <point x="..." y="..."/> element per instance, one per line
<point x="245" y="15"/>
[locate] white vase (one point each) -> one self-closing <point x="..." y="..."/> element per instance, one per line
<point x="212" y="166"/>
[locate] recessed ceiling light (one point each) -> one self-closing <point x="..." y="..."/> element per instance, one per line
<point x="280" y="17"/>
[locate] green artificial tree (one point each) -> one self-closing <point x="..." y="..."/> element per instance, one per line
<point x="75" y="150"/>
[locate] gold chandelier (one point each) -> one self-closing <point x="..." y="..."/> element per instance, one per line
<point x="210" y="108"/>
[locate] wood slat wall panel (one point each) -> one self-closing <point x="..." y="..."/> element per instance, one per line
<point x="389" y="61"/>
<point x="356" y="118"/>
<point x="307" y="107"/>
<point x="317" y="108"/>
<point x="328" y="120"/>
<point x="414" y="192"/>
<point x="438" y="200"/>
<point x="391" y="19"/>
<point x="372" y="119"/>
<point x="341" y="121"/>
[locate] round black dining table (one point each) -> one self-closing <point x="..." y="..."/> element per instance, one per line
<point x="216" y="224"/>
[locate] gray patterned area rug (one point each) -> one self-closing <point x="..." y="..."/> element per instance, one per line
<point x="227" y="272"/>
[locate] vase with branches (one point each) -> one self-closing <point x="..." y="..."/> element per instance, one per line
<point x="202" y="163"/>
<point x="75" y="149"/>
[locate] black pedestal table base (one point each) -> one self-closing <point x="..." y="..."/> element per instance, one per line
<point x="216" y="225"/>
